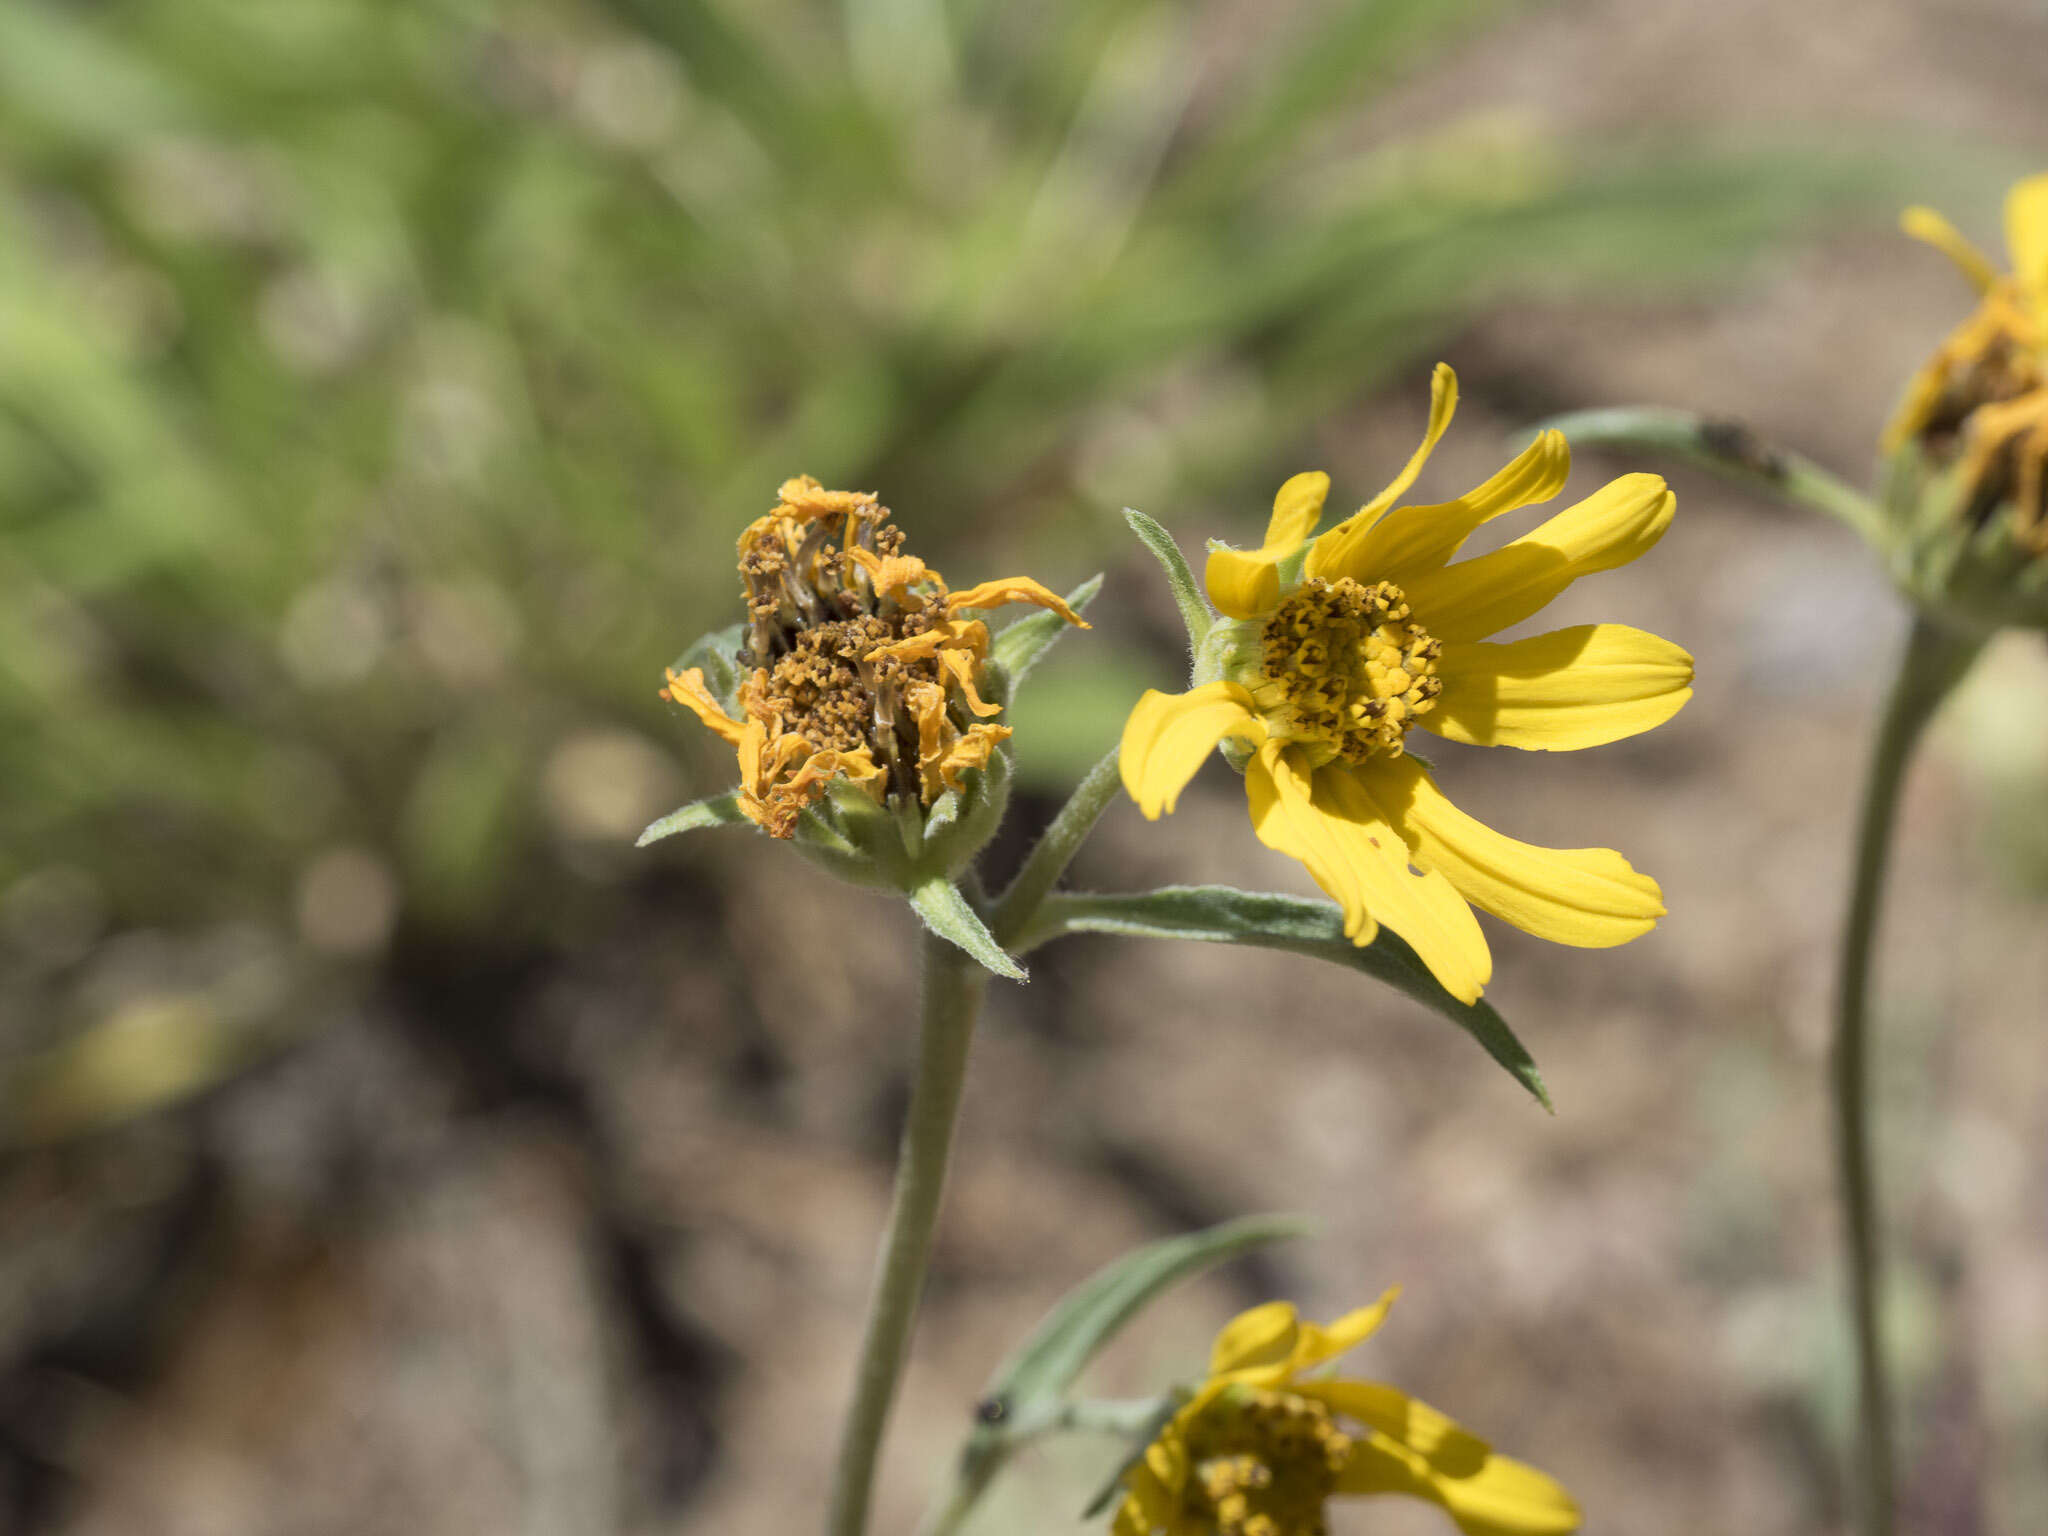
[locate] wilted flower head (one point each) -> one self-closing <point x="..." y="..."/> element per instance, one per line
<point x="860" y="667"/>
<point x="1337" y="647"/>
<point x="1267" y="1440"/>
<point x="1967" y="450"/>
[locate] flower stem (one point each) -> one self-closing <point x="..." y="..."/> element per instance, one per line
<point x="953" y="986"/>
<point x="1935" y="659"/>
<point x="1015" y="908"/>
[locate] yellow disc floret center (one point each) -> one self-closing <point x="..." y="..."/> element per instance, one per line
<point x="1343" y="665"/>
<point x="1263" y="1464"/>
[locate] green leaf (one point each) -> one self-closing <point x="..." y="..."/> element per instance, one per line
<point x="719" y="811"/>
<point x="1731" y="450"/>
<point x="1019" y="645"/>
<point x="717" y="654"/>
<point x="1023" y="1397"/>
<point x="1221" y="914"/>
<point x="1194" y="607"/>
<point x="1048" y="1362"/>
<point x="948" y="914"/>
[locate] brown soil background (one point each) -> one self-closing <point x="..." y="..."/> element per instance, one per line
<point x="628" y="1302"/>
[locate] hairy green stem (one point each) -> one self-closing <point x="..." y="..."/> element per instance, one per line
<point x="1935" y="659"/>
<point x="953" y="986"/>
<point x="1016" y="907"/>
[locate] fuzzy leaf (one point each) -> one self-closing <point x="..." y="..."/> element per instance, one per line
<point x="1019" y="645"/>
<point x="719" y="811"/>
<point x="1187" y="592"/>
<point x="1221" y="914"/>
<point x="948" y="914"/>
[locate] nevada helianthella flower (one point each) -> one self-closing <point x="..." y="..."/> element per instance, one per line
<point x="860" y="665"/>
<point x="1335" y="648"/>
<point x="1980" y="405"/>
<point x="1267" y="1440"/>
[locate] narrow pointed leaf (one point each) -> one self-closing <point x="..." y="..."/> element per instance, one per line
<point x="1019" y="646"/>
<point x="1023" y="1396"/>
<point x="1095" y="1311"/>
<point x="1220" y="914"/>
<point x="719" y="811"/>
<point x="948" y="914"/>
<point x="1187" y="592"/>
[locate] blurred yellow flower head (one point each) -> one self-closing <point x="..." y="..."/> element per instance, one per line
<point x="862" y="666"/>
<point x="1337" y="648"/>
<point x="1980" y="405"/>
<point x="1262" y="1445"/>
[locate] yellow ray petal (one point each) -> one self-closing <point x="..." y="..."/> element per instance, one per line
<point x="893" y="576"/>
<point x="1321" y="1342"/>
<point x="1170" y="735"/>
<point x="961" y="665"/>
<point x="1415" y="539"/>
<point x="688" y="689"/>
<point x="1925" y="224"/>
<point x="1013" y="589"/>
<point x="1496" y="1497"/>
<point x="1437" y="1437"/>
<point x="1297" y="508"/>
<point x="1332" y="824"/>
<point x="1265" y="1335"/>
<point x="1587" y="897"/>
<point x="1476" y="597"/>
<point x="1571" y="688"/>
<point x="927" y="703"/>
<point x="2026" y="236"/>
<point x="969" y="635"/>
<point x="1242" y="583"/>
<point x="1245" y="583"/>
<point x="1443" y="405"/>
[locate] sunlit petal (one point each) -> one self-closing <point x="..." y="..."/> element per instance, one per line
<point x="1170" y="735"/>
<point x="1331" y="823"/>
<point x="1322" y="1342"/>
<point x="1497" y="1497"/>
<point x="1443" y="404"/>
<point x="1296" y="509"/>
<point x="1265" y="1335"/>
<point x="1477" y="597"/>
<point x="1411" y="540"/>
<point x="1242" y="583"/>
<point x="1587" y="897"/>
<point x="1571" y="688"/>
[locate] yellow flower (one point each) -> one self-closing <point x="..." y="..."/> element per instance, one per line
<point x="1981" y="402"/>
<point x="863" y="667"/>
<point x="1336" y="648"/>
<point x="1262" y="1445"/>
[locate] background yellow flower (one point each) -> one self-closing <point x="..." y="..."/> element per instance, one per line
<point x="1261" y="1446"/>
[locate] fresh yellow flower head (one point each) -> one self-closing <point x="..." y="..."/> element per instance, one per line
<point x="1263" y="1444"/>
<point x="1967" y="451"/>
<point x="862" y="667"/>
<point x="1337" y="648"/>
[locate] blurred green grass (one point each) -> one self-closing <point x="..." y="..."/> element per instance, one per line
<point x="381" y="387"/>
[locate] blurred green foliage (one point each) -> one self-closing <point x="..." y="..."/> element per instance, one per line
<point x="382" y="382"/>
